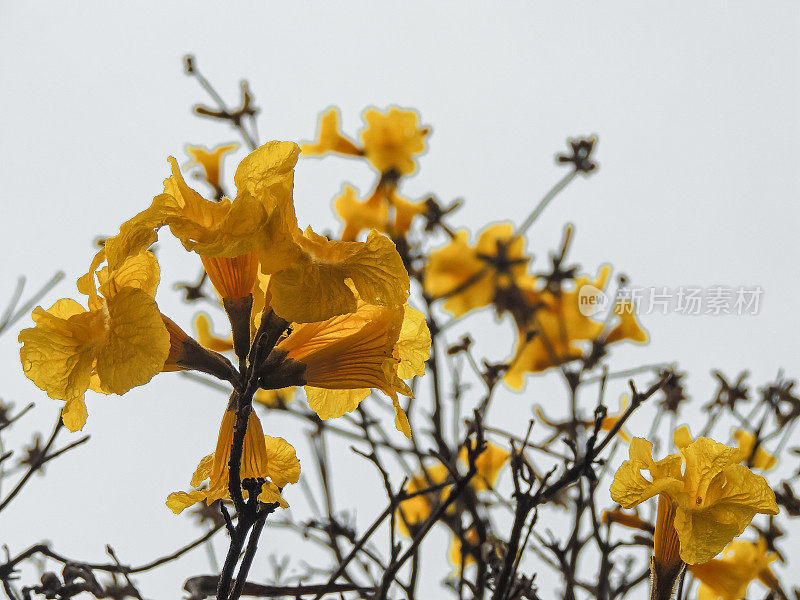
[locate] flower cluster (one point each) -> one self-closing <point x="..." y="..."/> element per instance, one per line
<point x="337" y="312"/>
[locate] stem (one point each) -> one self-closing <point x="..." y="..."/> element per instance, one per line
<point x="548" y="197"/>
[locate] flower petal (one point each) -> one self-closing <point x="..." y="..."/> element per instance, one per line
<point x="331" y="404"/>
<point x="137" y="344"/>
<point x="282" y="464"/>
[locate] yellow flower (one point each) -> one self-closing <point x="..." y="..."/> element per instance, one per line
<point x="372" y="213"/>
<point x="120" y="342"/>
<point x="454" y="554"/>
<point x="308" y="272"/>
<point x="553" y="332"/>
<point x="417" y="509"/>
<point x="206" y="337"/>
<point x="714" y="497"/>
<point x="761" y="459"/>
<point x="339" y="360"/>
<point x="468" y="277"/>
<point x="275" y="398"/>
<point x="262" y="457"/>
<point x="313" y="285"/>
<point x="487" y="464"/>
<point x="330" y="139"/>
<point x="211" y="163"/>
<point x="729" y="577"/>
<point x="628" y="327"/>
<point x="385" y="211"/>
<point x="632" y="520"/>
<point x="391" y="140"/>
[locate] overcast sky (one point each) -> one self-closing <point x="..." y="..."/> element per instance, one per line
<point x="696" y="108"/>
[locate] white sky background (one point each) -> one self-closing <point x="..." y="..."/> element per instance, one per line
<point x="696" y="106"/>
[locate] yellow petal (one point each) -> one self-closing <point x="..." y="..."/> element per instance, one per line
<point x="392" y="139"/>
<point x="331" y="404"/>
<point x="314" y="288"/>
<point x="330" y="139"/>
<point x="404" y="213"/>
<point x="74" y="414"/>
<point x="177" y="502"/>
<point x="488" y="465"/>
<point x="681" y="437"/>
<point x="267" y="174"/>
<point x="272" y="398"/>
<point x="210" y="161"/>
<point x="59" y="352"/>
<point x="628" y="327"/>
<point x="630" y="487"/>
<point x="762" y="459"/>
<point x="270" y="494"/>
<point x="357" y="216"/>
<point x="203" y="470"/>
<point x="414" y="344"/>
<point x="400" y="418"/>
<point x="140" y="271"/>
<point x="456" y="271"/>
<point x="206" y="337"/>
<point x="282" y="464"/>
<point x="137" y="344"/>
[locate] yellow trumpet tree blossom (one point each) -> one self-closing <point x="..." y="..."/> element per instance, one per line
<point x="390" y="139"/>
<point x="488" y="465"/>
<point x="210" y="160"/>
<point x="469" y="277"/>
<point x="761" y="459"/>
<point x="119" y="343"/>
<point x="339" y="360"/>
<point x="415" y="510"/>
<point x="270" y="460"/>
<point x="728" y="578"/>
<point x="308" y="272"/>
<point x="557" y="329"/>
<point x="710" y="496"/>
<point x="385" y="211"/>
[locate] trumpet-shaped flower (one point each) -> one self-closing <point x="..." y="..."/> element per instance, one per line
<point x="339" y="360"/>
<point x="469" y="277"/>
<point x="552" y="333"/>
<point x="211" y="163"/>
<point x="120" y="342"/>
<point x="628" y="327"/>
<point x="270" y="460"/>
<point x="385" y="211"/>
<point x="330" y="138"/>
<point x="557" y="329"/>
<point x="487" y="466"/>
<point x="417" y="509"/>
<point x="390" y="140"/>
<point x="728" y="578"/>
<point x="713" y="497"/>
<point x="308" y="272"/>
<point x="760" y="459"/>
